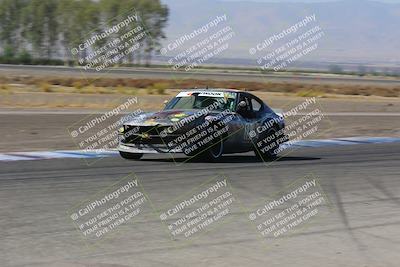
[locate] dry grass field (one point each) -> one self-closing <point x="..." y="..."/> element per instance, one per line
<point x="9" y="85"/>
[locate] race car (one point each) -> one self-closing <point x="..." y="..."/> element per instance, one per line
<point x="205" y="124"/>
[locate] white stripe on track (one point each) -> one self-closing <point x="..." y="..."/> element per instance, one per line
<point x="38" y="155"/>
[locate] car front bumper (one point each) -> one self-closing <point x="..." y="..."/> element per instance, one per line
<point x="146" y="149"/>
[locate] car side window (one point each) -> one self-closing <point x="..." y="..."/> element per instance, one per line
<point x="256" y="105"/>
<point x="246" y="112"/>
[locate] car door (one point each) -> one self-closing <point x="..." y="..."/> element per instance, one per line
<point x="250" y="118"/>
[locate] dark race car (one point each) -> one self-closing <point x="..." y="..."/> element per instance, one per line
<point x="205" y="123"/>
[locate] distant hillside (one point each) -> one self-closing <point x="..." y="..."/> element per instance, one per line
<point x="355" y="30"/>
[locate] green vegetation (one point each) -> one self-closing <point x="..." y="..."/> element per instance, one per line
<point x="44" y="31"/>
<point x="160" y="87"/>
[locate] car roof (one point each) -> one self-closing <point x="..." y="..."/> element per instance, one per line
<point x="213" y="90"/>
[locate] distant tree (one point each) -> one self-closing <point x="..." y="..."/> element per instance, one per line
<point x="8" y="54"/>
<point x="10" y="22"/>
<point x="113" y="12"/>
<point x="66" y="17"/>
<point x="24" y="57"/>
<point x="40" y="27"/>
<point x="335" y="69"/>
<point x="386" y="71"/>
<point x="373" y="71"/>
<point x="362" y="70"/>
<point x="396" y="72"/>
<point x="154" y="19"/>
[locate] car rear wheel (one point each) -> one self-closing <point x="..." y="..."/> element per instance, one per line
<point x="269" y="150"/>
<point x="131" y="156"/>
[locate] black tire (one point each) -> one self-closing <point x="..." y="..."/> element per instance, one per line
<point x="270" y="154"/>
<point x="212" y="153"/>
<point x="131" y="156"/>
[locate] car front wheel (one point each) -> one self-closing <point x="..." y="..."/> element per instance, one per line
<point x="213" y="153"/>
<point x="131" y="156"/>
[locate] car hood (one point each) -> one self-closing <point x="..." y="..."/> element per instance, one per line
<point x="164" y="117"/>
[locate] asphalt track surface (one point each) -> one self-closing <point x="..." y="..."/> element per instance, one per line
<point x="47" y="131"/>
<point x="141" y="73"/>
<point x="362" y="229"/>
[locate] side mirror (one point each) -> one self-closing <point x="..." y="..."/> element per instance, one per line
<point x="165" y="102"/>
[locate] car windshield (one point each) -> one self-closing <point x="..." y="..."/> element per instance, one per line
<point x="200" y="100"/>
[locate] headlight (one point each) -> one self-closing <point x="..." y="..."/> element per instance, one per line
<point x="121" y="129"/>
